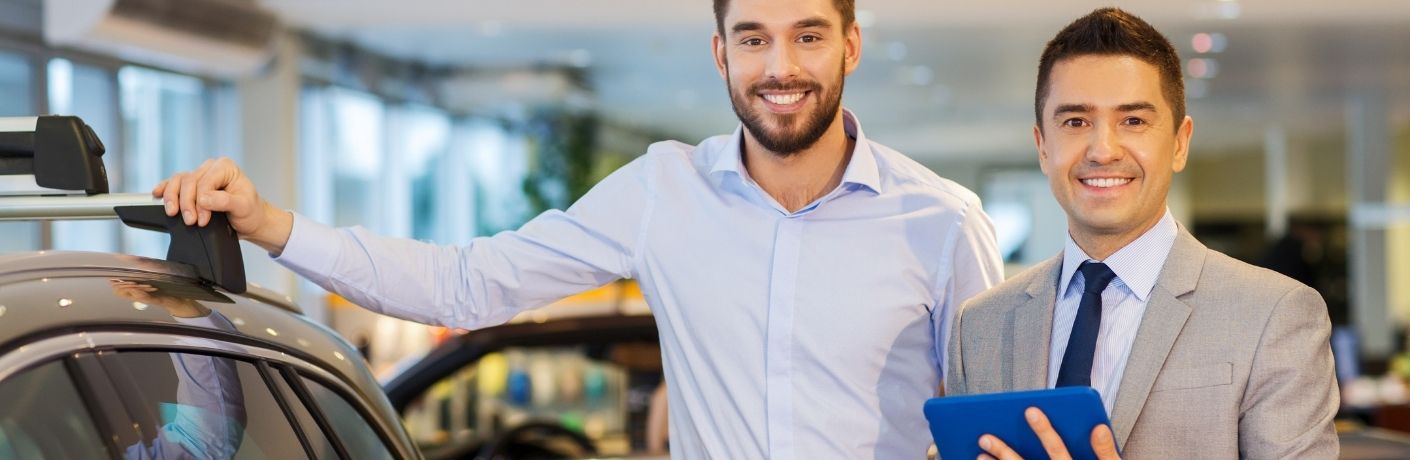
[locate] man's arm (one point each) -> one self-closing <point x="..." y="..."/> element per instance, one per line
<point x="954" y="382"/>
<point x="974" y="267"/>
<point x="1292" y="396"/>
<point x="208" y="418"/>
<point x="487" y="282"/>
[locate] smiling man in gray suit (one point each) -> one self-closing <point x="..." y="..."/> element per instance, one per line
<point x="1195" y="354"/>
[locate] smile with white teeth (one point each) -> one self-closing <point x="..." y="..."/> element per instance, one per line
<point x="784" y="99"/>
<point x="1105" y="182"/>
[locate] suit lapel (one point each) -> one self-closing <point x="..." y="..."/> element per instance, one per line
<point x="1033" y="328"/>
<point x="1164" y="319"/>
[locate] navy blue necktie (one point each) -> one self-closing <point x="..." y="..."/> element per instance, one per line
<point x="1076" y="368"/>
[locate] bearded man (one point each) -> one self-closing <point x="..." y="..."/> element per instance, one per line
<point x="802" y="276"/>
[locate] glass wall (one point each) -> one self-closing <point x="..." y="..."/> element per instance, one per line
<point x="405" y="170"/>
<point x="171" y="123"/>
<point x="17" y="91"/>
<point x="90" y="93"/>
<point x="418" y="136"/>
<point x="356" y="137"/>
<point x="152" y="123"/>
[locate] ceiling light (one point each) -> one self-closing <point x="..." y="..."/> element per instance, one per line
<point x="1202" y="68"/>
<point x="1219" y="42"/>
<point x="1227" y="10"/>
<point x="1202" y="43"/>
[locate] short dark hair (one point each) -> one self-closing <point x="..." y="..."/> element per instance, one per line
<point x="848" y="8"/>
<point x="1111" y="31"/>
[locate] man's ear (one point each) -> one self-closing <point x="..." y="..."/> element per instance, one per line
<point x="1042" y="152"/>
<point x="1182" y="144"/>
<point x="852" y="51"/>
<point x="717" y="44"/>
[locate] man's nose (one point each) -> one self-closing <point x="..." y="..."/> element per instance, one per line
<point x="1105" y="147"/>
<point x="783" y="64"/>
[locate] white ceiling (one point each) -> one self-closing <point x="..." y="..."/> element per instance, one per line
<point x="939" y="79"/>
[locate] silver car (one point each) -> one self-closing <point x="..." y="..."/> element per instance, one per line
<point x="116" y="356"/>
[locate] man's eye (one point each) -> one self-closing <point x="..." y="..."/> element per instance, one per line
<point x="809" y="39"/>
<point x="752" y="42"/>
<point x="1134" y="121"/>
<point x="1074" y="122"/>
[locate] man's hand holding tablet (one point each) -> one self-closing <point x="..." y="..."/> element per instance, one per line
<point x="1017" y="425"/>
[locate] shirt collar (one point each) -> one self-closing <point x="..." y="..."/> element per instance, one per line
<point x="861" y="169"/>
<point x="1137" y="264"/>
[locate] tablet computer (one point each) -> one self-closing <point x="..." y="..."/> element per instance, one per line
<point x="957" y="422"/>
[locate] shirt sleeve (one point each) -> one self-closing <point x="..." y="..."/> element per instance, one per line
<point x="974" y="266"/>
<point x="487" y="282"/>
<point x="208" y="418"/>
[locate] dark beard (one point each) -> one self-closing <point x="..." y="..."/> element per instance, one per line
<point x="787" y="141"/>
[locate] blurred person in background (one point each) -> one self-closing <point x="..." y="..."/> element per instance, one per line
<point x="802" y="275"/>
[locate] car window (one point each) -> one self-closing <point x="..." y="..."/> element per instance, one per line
<point x="203" y="406"/>
<point x="322" y="447"/>
<point x="42" y="416"/>
<point x="358" y="436"/>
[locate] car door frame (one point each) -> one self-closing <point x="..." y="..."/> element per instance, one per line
<point x="92" y="373"/>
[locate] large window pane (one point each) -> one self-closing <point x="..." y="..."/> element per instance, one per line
<point x="42" y="416"/>
<point x="167" y="129"/>
<point x="17" y="100"/>
<point x="418" y="137"/>
<point x="88" y="92"/>
<point x="355" y="132"/>
<point x="497" y="158"/>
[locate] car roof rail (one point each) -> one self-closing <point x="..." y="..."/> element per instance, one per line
<point x="51" y="168"/>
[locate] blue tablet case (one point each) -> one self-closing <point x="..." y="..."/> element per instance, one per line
<point x="956" y="422"/>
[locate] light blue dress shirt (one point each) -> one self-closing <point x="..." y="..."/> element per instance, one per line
<point x="1137" y="267"/>
<point x="813" y="334"/>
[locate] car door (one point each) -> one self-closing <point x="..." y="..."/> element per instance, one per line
<point x="147" y="395"/>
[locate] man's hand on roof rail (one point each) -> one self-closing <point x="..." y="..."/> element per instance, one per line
<point x="219" y="186"/>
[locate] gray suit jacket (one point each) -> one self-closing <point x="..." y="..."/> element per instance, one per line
<point x="1231" y="360"/>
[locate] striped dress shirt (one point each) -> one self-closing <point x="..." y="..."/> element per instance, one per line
<point x="1137" y="267"/>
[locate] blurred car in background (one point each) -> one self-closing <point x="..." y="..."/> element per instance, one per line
<point x="584" y="387"/>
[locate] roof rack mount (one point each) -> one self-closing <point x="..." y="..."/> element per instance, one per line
<point x="46" y="161"/>
<point x="50" y="155"/>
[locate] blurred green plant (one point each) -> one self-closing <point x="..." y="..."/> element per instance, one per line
<point x="561" y="159"/>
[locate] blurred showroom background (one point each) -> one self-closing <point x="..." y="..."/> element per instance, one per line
<point x="444" y="120"/>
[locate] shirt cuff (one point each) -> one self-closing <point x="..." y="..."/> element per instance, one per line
<point x="205" y="322"/>
<point x="312" y="249"/>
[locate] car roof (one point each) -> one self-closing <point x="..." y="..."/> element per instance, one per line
<point x="48" y="293"/>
